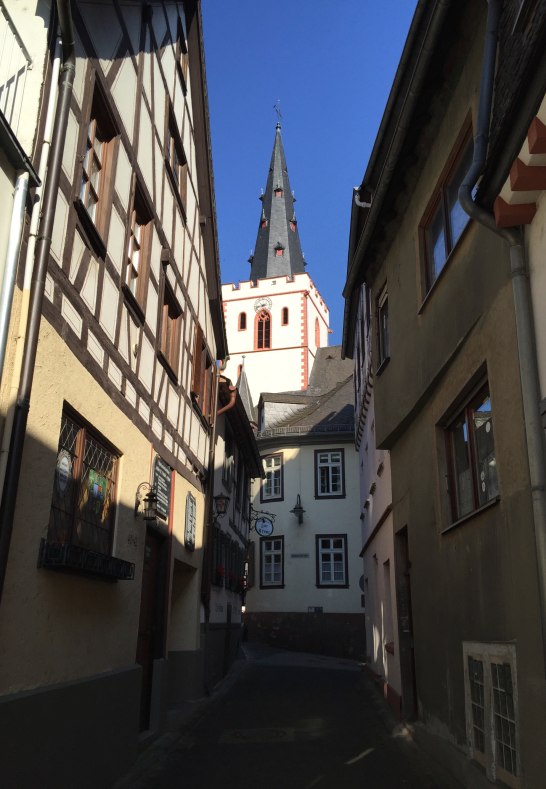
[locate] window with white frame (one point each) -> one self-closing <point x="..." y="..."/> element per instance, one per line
<point x="272" y="561"/>
<point x="329" y="474"/>
<point x="272" y="485"/>
<point x="491" y="709"/>
<point x="332" y="560"/>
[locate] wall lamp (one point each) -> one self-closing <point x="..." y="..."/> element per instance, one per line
<point x="298" y="509"/>
<point x="149" y="501"/>
<point x="221" y="502"/>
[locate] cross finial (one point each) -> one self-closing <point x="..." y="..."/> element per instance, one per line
<point x="277" y="108"/>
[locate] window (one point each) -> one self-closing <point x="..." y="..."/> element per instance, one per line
<point x="170" y="329"/>
<point x="272" y="561"/>
<point x="96" y="183"/>
<point x="189" y="528"/>
<point x="182" y="55"/>
<point x="278" y="192"/>
<point x="383" y="326"/>
<point x="263" y="330"/>
<point x="445" y="219"/>
<point x="242" y="321"/>
<point x="332" y="560"/>
<point x="317" y="333"/>
<point x="83" y="502"/>
<point x="491" y="709"/>
<point x="272" y="488"/>
<point x="138" y="251"/>
<point x="177" y="165"/>
<point x="227" y="468"/>
<point x="202" y="386"/>
<point x="284" y="319"/>
<point x="471" y="456"/>
<point x="329" y="474"/>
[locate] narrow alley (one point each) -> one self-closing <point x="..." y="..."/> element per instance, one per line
<point x="291" y="721"/>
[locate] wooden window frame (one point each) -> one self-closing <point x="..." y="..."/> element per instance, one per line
<point x="140" y="216"/>
<point x="464" y="414"/>
<point x="182" y="58"/>
<point x="321" y="583"/>
<point x="318" y="465"/>
<point x="169" y="330"/>
<point x="263" y="337"/>
<point x="279" y="551"/>
<point x="100" y="126"/>
<point x="280" y="497"/>
<point x="202" y="383"/>
<point x="176" y="162"/>
<point x="438" y="208"/>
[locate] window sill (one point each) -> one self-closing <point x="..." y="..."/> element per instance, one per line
<point x="90" y="229"/>
<point x="69" y="558"/>
<point x="332" y="586"/>
<point x="271" y="586"/>
<point x="382" y="366"/>
<point x="471" y="515"/>
<point x="167" y="365"/>
<point x="136" y="310"/>
<point x="268" y="501"/>
<point x="321" y="496"/>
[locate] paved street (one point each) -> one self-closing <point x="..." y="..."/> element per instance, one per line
<point x="284" y="720"/>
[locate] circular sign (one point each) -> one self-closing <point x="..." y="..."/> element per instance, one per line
<point x="262" y="304"/>
<point x="264" y="527"/>
<point x="64" y="470"/>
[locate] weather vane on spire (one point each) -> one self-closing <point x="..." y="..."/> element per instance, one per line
<point x="277" y="108"/>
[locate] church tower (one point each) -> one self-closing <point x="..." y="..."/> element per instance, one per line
<point x="275" y="320"/>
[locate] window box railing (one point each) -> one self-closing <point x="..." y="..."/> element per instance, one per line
<point x="74" y="559"/>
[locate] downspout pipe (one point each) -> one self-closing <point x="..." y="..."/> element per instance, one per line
<point x="525" y="331"/>
<point x="43" y="245"/>
<point x="10" y="270"/>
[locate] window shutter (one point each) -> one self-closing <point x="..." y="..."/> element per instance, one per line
<point x="197" y="361"/>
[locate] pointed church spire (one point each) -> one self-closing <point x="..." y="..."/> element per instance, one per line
<point x="278" y="250"/>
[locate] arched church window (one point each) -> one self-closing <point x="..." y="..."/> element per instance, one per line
<point x="317" y="333"/>
<point x="263" y="330"/>
<point x="242" y="321"/>
<point x="284" y="320"/>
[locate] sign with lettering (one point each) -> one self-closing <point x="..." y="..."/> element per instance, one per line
<point x="162" y="486"/>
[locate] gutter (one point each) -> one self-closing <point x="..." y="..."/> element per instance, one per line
<point x="525" y="331"/>
<point x="22" y="406"/>
<point x="395" y="144"/>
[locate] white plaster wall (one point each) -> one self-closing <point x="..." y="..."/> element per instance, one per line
<point x="326" y="516"/>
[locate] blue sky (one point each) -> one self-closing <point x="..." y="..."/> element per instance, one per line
<point x="331" y="65"/>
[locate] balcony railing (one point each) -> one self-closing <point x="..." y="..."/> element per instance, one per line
<point x="15" y="61"/>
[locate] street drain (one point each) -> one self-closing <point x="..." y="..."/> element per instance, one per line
<point x="246" y="736"/>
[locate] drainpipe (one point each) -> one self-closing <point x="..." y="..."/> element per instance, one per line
<point x="28" y="266"/>
<point x="10" y="270"/>
<point x="525" y="331"/>
<point x="20" y="417"/>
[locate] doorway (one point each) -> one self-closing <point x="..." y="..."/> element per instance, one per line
<point x="405" y="624"/>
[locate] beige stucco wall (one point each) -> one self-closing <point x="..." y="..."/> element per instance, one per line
<point x="74" y="626"/>
<point x="326" y="516"/>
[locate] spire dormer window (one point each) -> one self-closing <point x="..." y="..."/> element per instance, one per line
<point x="279" y="249"/>
<point x="278" y="191"/>
<point x="293" y="224"/>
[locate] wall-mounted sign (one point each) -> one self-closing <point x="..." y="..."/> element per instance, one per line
<point x="189" y="529"/>
<point x="264" y="527"/>
<point x="162" y="486"/>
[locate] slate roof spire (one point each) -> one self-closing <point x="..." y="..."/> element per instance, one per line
<point x="278" y="250"/>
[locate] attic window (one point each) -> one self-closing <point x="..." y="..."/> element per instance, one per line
<point x="278" y="192"/>
<point x="263" y="223"/>
<point x="279" y="249"/>
<point x="293" y="225"/>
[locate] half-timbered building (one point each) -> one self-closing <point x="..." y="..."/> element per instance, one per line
<point x="102" y="537"/>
